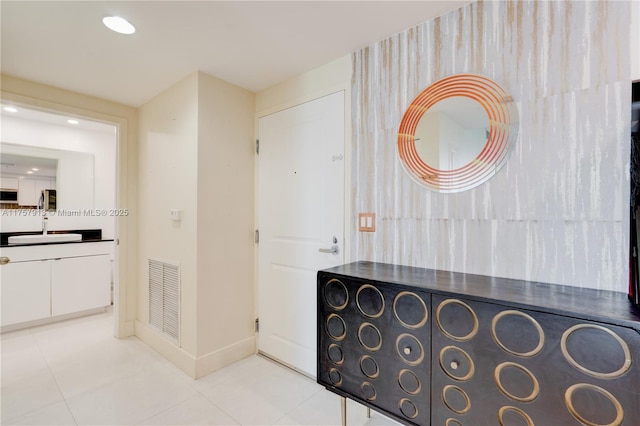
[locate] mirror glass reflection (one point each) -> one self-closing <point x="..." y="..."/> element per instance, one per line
<point x="452" y="133"/>
<point x="69" y="173"/>
<point x="457" y="133"/>
<point x="28" y="181"/>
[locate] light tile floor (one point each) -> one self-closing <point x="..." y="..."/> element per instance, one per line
<point x="75" y="373"/>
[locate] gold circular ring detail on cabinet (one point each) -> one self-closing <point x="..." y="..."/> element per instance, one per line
<point x="534" y="381"/>
<point x="528" y="354"/>
<point x="332" y="318"/>
<point x="618" y="407"/>
<point x="625" y="348"/>
<point x="446" y="370"/>
<point x="459" y="390"/>
<point x="335" y="349"/>
<point x="368" y="391"/>
<point x="403" y="385"/>
<point x="378" y="345"/>
<point x="372" y="362"/>
<point x="408" y="408"/>
<point x="424" y="318"/>
<point x="341" y="288"/>
<point x="360" y="308"/>
<point x="335" y="377"/>
<point x="466" y="337"/>
<point x="407" y="349"/>
<point x="452" y="422"/>
<point x="507" y="408"/>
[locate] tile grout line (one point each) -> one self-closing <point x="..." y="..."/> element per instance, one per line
<point x="299" y="405"/>
<point x="217" y="406"/>
<point x="55" y="380"/>
<point x="37" y="344"/>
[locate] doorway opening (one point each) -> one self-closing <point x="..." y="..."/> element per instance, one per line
<point x="80" y="183"/>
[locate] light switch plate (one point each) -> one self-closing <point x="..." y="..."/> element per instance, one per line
<point x="367" y="222"/>
<point x="175" y="214"/>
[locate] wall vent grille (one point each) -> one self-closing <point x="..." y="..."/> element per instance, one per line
<point x="164" y="299"/>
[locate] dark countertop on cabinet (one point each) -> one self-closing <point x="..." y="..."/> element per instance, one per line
<point x="88" y="235"/>
<point x="598" y="305"/>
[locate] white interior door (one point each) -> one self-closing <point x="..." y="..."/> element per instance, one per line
<point x="301" y="217"/>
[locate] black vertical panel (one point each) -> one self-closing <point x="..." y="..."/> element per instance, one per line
<point x="634" y="276"/>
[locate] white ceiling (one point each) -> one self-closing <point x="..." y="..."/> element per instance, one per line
<point x="40" y="116"/>
<point x="23" y="165"/>
<point x="253" y="44"/>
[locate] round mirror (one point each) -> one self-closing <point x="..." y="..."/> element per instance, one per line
<point x="457" y="133"/>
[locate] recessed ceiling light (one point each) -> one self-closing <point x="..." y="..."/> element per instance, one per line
<point x="30" y="172"/>
<point x="73" y="122"/>
<point x="35" y="169"/>
<point x="118" y="24"/>
<point x="10" y="109"/>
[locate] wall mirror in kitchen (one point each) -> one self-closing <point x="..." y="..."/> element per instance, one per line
<point x="457" y="133"/>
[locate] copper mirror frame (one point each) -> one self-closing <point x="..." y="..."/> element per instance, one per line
<point x="502" y="133"/>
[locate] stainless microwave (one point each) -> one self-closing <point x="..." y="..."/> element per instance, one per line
<point x="48" y="199"/>
<point x="9" y="196"/>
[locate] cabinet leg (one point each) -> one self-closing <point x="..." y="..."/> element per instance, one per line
<point x="343" y="410"/>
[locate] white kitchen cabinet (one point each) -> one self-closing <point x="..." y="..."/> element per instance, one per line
<point x="43" y="184"/>
<point x="8" y="183"/>
<point x="51" y="280"/>
<point x="80" y="283"/>
<point x="27" y="192"/>
<point x="25" y="291"/>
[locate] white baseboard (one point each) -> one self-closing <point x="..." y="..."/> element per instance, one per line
<point x="51" y="320"/>
<point x="200" y="366"/>
<point x="183" y="360"/>
<point x="221" y="358"/>
<point x="125" y="329"/>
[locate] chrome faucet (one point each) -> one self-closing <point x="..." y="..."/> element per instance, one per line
<point x="45" y="221"/>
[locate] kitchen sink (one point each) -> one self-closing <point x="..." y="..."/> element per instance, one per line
<point x="44" y="238"/>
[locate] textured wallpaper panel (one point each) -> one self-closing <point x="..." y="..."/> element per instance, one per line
<point x="558" y="211"/>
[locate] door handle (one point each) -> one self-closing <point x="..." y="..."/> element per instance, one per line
<point x="333" y="250"/>
<point x="4" y="260"/>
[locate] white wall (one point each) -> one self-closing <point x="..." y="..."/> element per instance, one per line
<point x="168" y="179"/>
<point x="95" y="190"/>
<point x="329" y="78"/>
<point x="195" y="155"/>
<point x="226" y="314"/>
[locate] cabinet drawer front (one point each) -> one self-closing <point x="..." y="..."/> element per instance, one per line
<point x="25" y="292"/>
<point x="54" y="251"/>
<point x="529" y="366"/>
<point x="79" y="284"/>
<point x="374" y="344"/>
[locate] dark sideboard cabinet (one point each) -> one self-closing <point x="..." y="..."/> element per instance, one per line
<point x="432" y="347"/>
